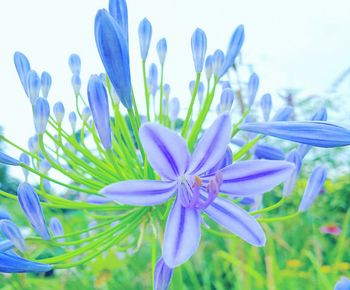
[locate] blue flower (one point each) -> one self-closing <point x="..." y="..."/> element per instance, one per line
<point x="119" y="11"/>
<point x="197" y="190"/>
<point x="12" y="232"/>
<point x="145" y="35"/>
<point x="114" y="52"/>
<point x="33" y="85"/>
<point x="72" y="117"/>
<point x="76" y="84"/>
<point x="283" y="114"/>
<point x="23" y="67"/>
<point x="46" y="82"/>
<point x="74" y="63"/>
<point x="253" y="86"/>
<point x="199" y="49"/>
<point x="343" y="284"/>
<point x="266" y="105"/>
<point x="8" y="160"/>
<point x="162" y="50"/>
<point x="319" y="134"/>
<point x="41" y="113"/>
<point x="58" y="111"/>
<point x="209" y="67"/>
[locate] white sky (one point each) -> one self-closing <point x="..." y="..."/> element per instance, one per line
<point x="301" y="44"/>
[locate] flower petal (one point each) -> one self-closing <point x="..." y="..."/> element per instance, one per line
<point x="16" y="264"/>
<point x="182" y="234"/>
<point x="253" y="176"/>
<point x="162" y="275"/>
<point x="236" y="220"/>
<point x="140" y="192"/>
<point x="166" y="150"/>
<point x="212" y="146"/>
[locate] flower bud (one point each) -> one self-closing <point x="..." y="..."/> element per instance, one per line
<point x="119" y="11"/>
<point x="72" y="117"/>
<point x="253" y="86"/>
<point x="200" y="93"/>
<point x="8" y="160"/>
<point x="218" y="60"/>
<point x="33" y="144"/>
<point x="24" y="158"/>
<point x="74" y="64"/>
<point x="268" y="152"/>
<point x="226" y="100"/>
<point x="174" y="109"/>
<point x="145" y="35"/>
<point x="44" y="166"/>
<point x="191" y="86"/>
<point x="199" y="49"/>
<point x="283" y="114"/>
<point x="162" y="275"/>
<point x="225" y="85"/>
<point x="22" y="67"/>
<point x="166" y="90"/>
<point x="162" y="50"/>
<point x="76" y="84"/>
<point x="266" y="105"/>
<point x="12" y="232"/>
<point x="58" y="111"/>
<point x="46" y="82"/>
<point x="33" y="86"/>
<point x="153" y="79"/>
<point x="41" y="113"/>
<point x="98" y="101"/>
<point x="85" y="114"/>
<point x="30" y="204"/>
<point x="209" y="67"/>
<point x="56" y="227"/>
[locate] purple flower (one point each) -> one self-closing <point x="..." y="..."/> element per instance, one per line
<point x="289" y="185"/>
<point x="56" y="227"/>
<point x="162" y="275"/>
<point x="253" y="86"/>
<point x="319" y="134"/>
<point x="10" y="263"/>
<point x="197" y="190"/>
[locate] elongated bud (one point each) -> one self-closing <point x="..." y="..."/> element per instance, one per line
<point x="119" y="11"/>
<point x="268" y="152"/>
<point x="153" y="79"/>
<point x="56" y="227"/>
<point x="174" y="109"/>
<point x="145" y="35"/>
<point x="253" y="86"/>
<point x="313" y="187"/>
<point x="72" y="117"/>
<point x="33" y="144"/>
<point x="283" y="114"/>
<point x="74" y="63"/>
<point x="41" y="112"/>
<point x="24" y="158"/>
<point x="191" y="85"/>
<point x="58" y="111"/>
<point x="226" y="100"/>
<point x="200" y="93"/>
<point x="266" y="105"/>
<point x="46" y="82"/>
<point x="12" y="232"/>
<point x="233" y="49"/>
<point x="44" y="166"/>
<point x="166" y="90"/>
<point x="30" y="204"/>
<point x="85" y="114"/>
<point x="293" y="157"/>
<point x="162" y="275"/>
<point x="22" y="67"/>
<point x="209" y="67"/>
<point x="98" y="101"/>
<point x="33" y="85"/>
<point x="8" y="160"/>
<point x="114" y="52"/>
<point x="199" y="49"/>
<point x="162" y="50"/>
<point x="218" y="60"/>
<point x="76" y="84"/>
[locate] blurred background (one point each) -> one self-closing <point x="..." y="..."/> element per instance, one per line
<point x="301" y="52"/>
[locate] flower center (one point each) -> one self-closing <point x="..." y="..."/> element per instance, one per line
<point x="189" y="191"/>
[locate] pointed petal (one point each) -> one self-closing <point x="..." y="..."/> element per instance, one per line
<point x="253" y="176"/>
<point x="166" y="150"/>
<point x="162" y="275"/>
<point x="182" y="234"/>
<point x="237" y="221"/>
<point x="140" y="192"/>
<point x="212" y="146"/>
<point x="16" y="264"/>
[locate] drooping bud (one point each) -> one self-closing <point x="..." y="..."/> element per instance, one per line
<point x="313" y="187"/>
<point x="114" y="52"/>
<point x="72" y="117"/>
<point x="209" y="67"/>
<point x="46" y="82"/>
<point x="85" y="114"/>
<point x="253" y="86"/>
<point x="199" y="49"/>
<point x="98" y="101"/>
<point x="58" y="111"/>
<point x="226" y="100"/>
<point x="162" y="50"/>
<point x="56" y="227"/>
<point x="22" y="67"/>
<point x="174" y="109"/>
<point x="218" y="60"/>
<point x="145" y="35"/>
<point x="8" y="160"/>
<point x="30" y="204"/>
<point x="266" y="105"/>
<point x="293" y="157"/>
<point x="24" y="158"/>
<point x="41" y="113"/>
<point x="76" y="84"/>
<point x="119" y="11"/>
<point x="12" y="232"/>
<point x="162" y="275"/>
<point x="74" y="64"/>
<point x="33" y="86"/>
<point x="44" y="166"/>
<point x="33" y="144"/>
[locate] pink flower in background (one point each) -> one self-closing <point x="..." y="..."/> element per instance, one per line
<point x="331" y="229"/>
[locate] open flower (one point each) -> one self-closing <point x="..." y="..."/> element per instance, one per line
<point x="197" y="188"/>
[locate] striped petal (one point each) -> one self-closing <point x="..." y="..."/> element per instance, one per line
<point x="140" y="192"/>
<point x="16" y="264"/>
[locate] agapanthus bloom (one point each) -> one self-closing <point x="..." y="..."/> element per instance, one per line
<point x="197" y="183"/>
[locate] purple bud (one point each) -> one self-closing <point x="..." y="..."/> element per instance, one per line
<point x="56" y="227"/>
<point x="33" y="144"/>
<point x="199" y="49"/>
<point x="46" y="82"/>
<point x="233" y="49"/>
<point x="58" y="111"/>
<point x="5" y="159"/>
<point x="145" y="35"/>
<point x="85" y="114"/>
<point x="76" y="84"/>
<point x="266" y="105"/>
<point x="313" y="187"/>
<point x="293" y="157"/>
<point x="253" y="86"/>
<point x="226" y="100"/>
<point x="41" y="113"/>
<point x="72" y="117"/>
<point x="209" y="67"/>
<point x="162" y="275"/>
<point x="22" y="67"/>
<point x="12" y="232"/>
<point x="98" y="101"/>
<point x="74" y="64"/>
<point x="30" y="204"/>
<point x="119" y="11"/>
<point x="33" y="85"/>
<point x="162" y="50"/>
<point x="174" y="109"/>
<point x="218" y="60"/>
<point x="283" y="114"/>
